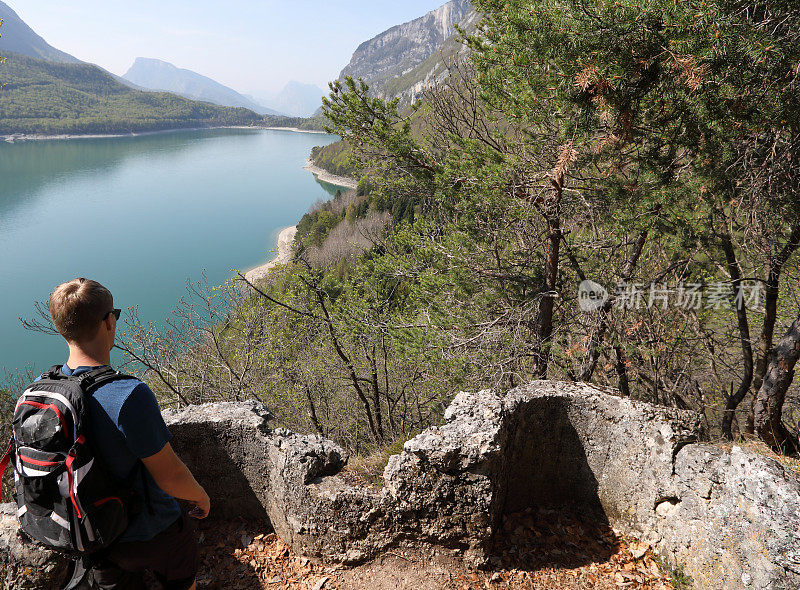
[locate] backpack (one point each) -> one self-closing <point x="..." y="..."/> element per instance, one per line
<point x="66" y="498"/>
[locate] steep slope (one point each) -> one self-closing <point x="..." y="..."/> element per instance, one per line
<point x="403" y="62"/>
<point x="155" y="74"/>
<point x="17" y="37"/>
<point x="296" y="99"/>
<point x="410" y="84"/>
<point x="406" y="58"/>
<point x="46" y="97"/>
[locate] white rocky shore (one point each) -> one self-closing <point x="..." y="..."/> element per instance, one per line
<point x="284" y="248"/>
<point x="15" y="137"/>
<point x="326" y="176"/>
<point x="286" y="237"/>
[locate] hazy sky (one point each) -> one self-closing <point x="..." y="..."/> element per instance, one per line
<point x="254" y="46"/>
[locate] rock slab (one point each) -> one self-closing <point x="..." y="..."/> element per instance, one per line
<point x="730" y="518"/>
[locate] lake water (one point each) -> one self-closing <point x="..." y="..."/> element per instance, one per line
<point x="141" y="215"/>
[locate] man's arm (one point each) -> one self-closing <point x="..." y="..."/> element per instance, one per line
<point x="172" y="476"/>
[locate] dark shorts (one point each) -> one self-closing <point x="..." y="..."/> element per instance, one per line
<point x="171" y="556"/>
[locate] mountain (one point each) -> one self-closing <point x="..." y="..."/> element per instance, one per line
<point x="155" y="74"/>
<point x="47" y="97"/>
<point x="403" y="62"/>
<point x="408" y="58"/>
<point x="17" y="37"/>
<point x="296" y="99"/>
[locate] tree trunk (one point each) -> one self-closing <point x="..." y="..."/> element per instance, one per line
<point x="376" y="392"/>
<point x="354" y="380"/>
<point x="622" y="371"/>
<point x="547" y="305"/>
<point x="733" y="400"/>
<point x="596" y="337"/>
<point x="312" y="412"/>
<point x="771" y="396"/>
<point x="770" y="316"/>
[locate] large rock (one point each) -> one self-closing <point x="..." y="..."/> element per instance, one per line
<point x="23" y="565"/>
<point x="252" y="471"/>
<point x="731" y="518"/>
<point x="223" y="445"/>
<point x="543" y="444"/>
<point x="396" y="52"/>
<point x="734" y="519"/>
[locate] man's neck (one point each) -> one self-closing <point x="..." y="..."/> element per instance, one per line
<point x="87" y="358"/>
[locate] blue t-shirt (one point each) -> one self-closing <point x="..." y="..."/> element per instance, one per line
<point x="127" y="425"/>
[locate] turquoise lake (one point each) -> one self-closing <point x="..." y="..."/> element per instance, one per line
<point x="142" y="215"/>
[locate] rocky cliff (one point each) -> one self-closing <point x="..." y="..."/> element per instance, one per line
<point x="730" y="518"/>
<point x="404" y="60"/>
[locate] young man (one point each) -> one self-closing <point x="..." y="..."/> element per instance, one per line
<point x="127" y="427"/>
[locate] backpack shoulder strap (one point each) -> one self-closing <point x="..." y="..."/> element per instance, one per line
<point x="98" y="377"/>
<point x="54" y="372"/>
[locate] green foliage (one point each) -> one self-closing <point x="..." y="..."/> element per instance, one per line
<point x="690" y="83"/>
<point x="315" y="225"/>
<point x="679" y="579"/>
<point x="620" y="142"/>
<point x="626" y="118"/>
<point x="336" y="158"/>
<point x="51" y="98"/>
<point x="689" y="116"/>
<point x="304" y="123"/>
<point x="375" y="130"/>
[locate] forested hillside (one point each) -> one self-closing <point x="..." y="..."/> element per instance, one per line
<point x="600" y="192"/>
<point x="47" y="97"/>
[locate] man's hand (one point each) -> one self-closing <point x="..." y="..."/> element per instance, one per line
<point x="172" y="476"/>
<point x="201" y="509"/>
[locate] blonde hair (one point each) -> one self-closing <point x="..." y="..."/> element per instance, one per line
<point x="77" y="308"/>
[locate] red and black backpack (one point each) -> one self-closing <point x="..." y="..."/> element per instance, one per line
<point x="66" y="498"/>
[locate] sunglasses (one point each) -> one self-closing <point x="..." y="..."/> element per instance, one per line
<point x="116" y="313"/>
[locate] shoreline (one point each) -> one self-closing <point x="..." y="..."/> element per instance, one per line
<point x="326" y="176"/>
<point x="286" y="236"/>
<point x="295" y="130"/>
<point x="15" y="137"/>
<point x="284" y="255"/>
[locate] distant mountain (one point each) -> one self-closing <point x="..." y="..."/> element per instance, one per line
<point x="296" y="99"/>
<point x="406" y="59"/>
<point x="46" y="97"/>
<point x="155" y="74"/>
<point x="17" y="37"/>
